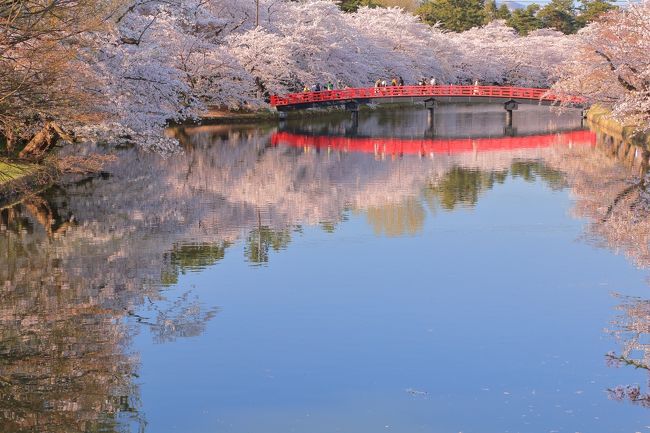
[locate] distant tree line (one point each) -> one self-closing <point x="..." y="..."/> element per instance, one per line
<point x="461" y="15"/>
<point x="354" y="5"/>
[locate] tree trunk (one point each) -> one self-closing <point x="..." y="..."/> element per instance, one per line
<point x="9" y="141"/>
<point x="43" y="141"/>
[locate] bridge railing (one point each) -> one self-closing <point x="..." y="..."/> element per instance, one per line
<point x="419" y="91"/>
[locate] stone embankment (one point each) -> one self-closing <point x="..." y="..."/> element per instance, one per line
<point x="624" y="142"/>
<point x="601" y="117"/>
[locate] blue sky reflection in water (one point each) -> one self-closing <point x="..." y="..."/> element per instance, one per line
<point x="361" y="292"/>
<point x="500" y="330"/>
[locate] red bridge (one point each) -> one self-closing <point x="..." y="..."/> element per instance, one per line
<point x="446" y="93"/>
<point x="401" y="146"/>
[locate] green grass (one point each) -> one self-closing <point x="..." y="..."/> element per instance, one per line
<point x="10" y="171"/>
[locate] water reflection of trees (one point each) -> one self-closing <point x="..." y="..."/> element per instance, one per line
<point x="271" y="190"/>
<point x="458" y="186"/>
<point x="182" y="317"/>
<point x="182" y="258"/>
<point x="462" y="186"/>
<point x="610" y="186"/>
<point x="397" y="219"/>
<point x="91" y="254"/>
<point x="65" y="361"/>
<point x="262" y="239"/>
<point x="632" y="329"/>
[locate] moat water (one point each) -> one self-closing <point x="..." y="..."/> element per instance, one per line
<point x="320" y="276"/>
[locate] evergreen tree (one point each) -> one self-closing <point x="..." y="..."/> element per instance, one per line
<point x="525" y="20"/>
<point x="559" y="15"/>
<point x="503" y="13"/>
<point x="592" y="9"/>
<point x="353" y="5"/>
<point x="491" y="11"/>
<point x="455" y="15"/>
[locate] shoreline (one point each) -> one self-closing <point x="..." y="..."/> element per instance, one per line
<point x="215" y="115"/>
<point x="621" y="141"/>
<point x="221" y="116"/>
<point x="601" y="117"/>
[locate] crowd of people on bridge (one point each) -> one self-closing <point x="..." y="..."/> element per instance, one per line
<point x="396" y="81"/>
<point x="318" y="88"/>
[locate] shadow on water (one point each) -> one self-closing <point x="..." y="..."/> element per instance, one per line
<point x="81" y="259"/>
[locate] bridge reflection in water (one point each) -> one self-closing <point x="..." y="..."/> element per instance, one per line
<point x="423" y="146"/>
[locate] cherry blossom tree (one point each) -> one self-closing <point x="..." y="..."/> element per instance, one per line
<point x="404" y="45"/>
<point x="496" y="54"/>
<point x="164" y="63"/>
<point x="611" y="65"/>
<point x="43" y="75"/>
<point x="267" y="57"/>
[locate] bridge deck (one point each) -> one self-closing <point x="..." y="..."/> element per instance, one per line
<point x="297" y="101"/>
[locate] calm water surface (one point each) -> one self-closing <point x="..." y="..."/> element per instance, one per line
<point x="320" y="276"/>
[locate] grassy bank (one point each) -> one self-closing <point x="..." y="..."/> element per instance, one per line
<point x="12" y="171"/>
<point x="18" y="178"/>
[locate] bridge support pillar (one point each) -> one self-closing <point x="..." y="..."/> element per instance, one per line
<point x="430" y="105"/>
<point x="583" y="114"/>
<point x="353" y="108"/>
<point x="355" y="118"/>
<point x="509" y="131"/>
<point x="510" y="106"/>
<point x="282" y="118"/>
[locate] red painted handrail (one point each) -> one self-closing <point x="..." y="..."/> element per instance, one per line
<point x="420" y="91"/>
<point x="405" y="146"/>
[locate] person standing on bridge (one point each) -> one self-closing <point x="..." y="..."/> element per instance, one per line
<point x="401" y="81"/>
<point x="393" y="82"/>
<point x="476" y="87"/>
<point x="305" y="89"/>
<point x="432" y="82"/>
